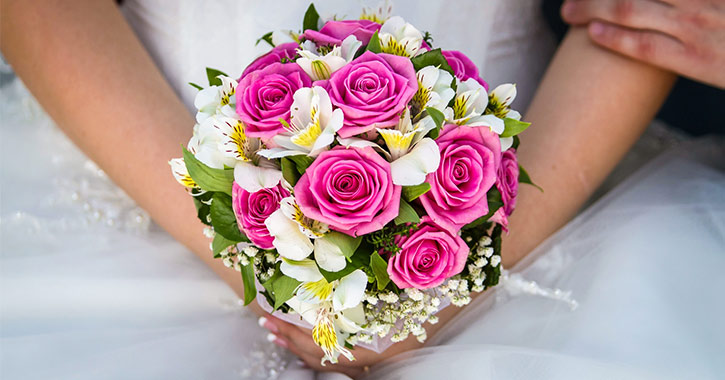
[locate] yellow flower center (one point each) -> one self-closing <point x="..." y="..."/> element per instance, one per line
<point x="238" y="141"/>
<point x="395" y="48"/>
<point x="320" y="289"/>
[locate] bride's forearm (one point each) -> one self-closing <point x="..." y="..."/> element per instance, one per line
<point x="85" y="66"/>
<point x="590" y="108"/>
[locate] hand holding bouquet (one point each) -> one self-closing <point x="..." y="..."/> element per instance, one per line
<point x="357" y="178"/>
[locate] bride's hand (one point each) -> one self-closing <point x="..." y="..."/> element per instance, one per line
<point x="299" y="341"/>
<point x="684" y="36"/>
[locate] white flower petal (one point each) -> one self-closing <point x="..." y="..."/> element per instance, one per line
<point x="512" y="114"/>
<point x="506" y="143"/>
<point x="254" y="178"/>
<point x="350" y="320"/>
<point x="289" y="241"/>
<point x="307" y="310"/>
<point x="505" y="93"/>
<point x="350" y="45"/>
<point x="412" y="168"/>
<point x="497" y="125"/>
<point x="328" y="255"/>
<point x="301" y="270"/>
<point x="350" y="291"/>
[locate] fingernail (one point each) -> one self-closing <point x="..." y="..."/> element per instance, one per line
<point x="596" y="28"/>
<point x="276" y="340"/>
<point x="267" y="324"/>
<point x="300" y="363"/>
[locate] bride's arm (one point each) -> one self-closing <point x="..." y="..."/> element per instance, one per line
<point x="87" y="69"/>
<point x="589" y="109"/>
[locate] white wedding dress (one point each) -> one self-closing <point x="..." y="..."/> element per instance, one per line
<point x="90" y="288"/>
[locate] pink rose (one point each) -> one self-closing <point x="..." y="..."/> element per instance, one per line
<point x="252" y="209"/>
<point x="463" y="67"/>
<point x="470" y="158"/>
<point x="276" y="55"/>
<point x="507" y="183"/>
<point x="351" y="189"/>
<point x="372" y="91"/>
<point x="427" y="257"/>
<point x="333" y="32"/>
<point x="265" y="96"/>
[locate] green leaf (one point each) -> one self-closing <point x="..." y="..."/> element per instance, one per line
<point x="266" y="38"/>
<point x="302" y="162"/>
<point x="209" y="179"/>
<point x="438" y="118"/>
<point x="513" y="127"/>
<point x="410" y="193"/>
<point x="406" y="214"/>
<point x="374" y="44"/>
<point x="223" y="219"/>
<point x="248" y="279"/>
<point x="524" y="178"/>
<point x="516" y="142"/>
<point x="380" y="270"/>
<point x="347" y="244"/>
<point x="196" y="86"/>
<point x="311" y="18"/>
<point x="202" y="203"/>
<point x="432" y="58"/>
<point x="219" y="244"/>
<point x="283" y="289"/>
<point x="359" y="259"/>
<point x="289" y="171"/>
<point x="211" y="76"/>
<point x="494" y="203"/>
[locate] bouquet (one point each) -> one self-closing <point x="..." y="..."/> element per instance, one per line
<point x="358" y="178"/>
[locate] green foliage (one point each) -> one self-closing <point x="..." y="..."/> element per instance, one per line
<point x="428" y="38"/>
<point x="267" y="37"/>
<point x="311" y="18"/>
<point x="223" y="219"/>
<point x="248" y="279"/>
<point x="359" y="259"/>
<point x="289" y="171"/>
<point x="385" y="239"/>
<point x="219" y="244"/>
<point x="302" y="162"/>
<point x="524" y="178"/>
<point x="374" y="44"/>
<point x="410" y="193"/>
<point x="494" y="203"/>
<point x="517" y="141"/>
<point x="211" y="76"/>
<point x="406" y="214"/>
<point x="513" y="127"/>
<point x="283" y="288"/>
<point x="202" y="203"/>
<point x="209" y="179"/>
<point x="438" y="118"/>
<point x="347" y="244"/>
<point x="432" y="58"/>
<point x="380" y="270"/>
<point x="196" y="86"/>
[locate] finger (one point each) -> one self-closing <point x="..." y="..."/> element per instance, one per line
<point x="635" y="14"/>
<point x="296" y="337"/>
<point x="652" y="47"/>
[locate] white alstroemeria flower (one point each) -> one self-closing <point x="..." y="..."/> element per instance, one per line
<point x="292" y="230"/>
<point x="469" y="105"/>
<point x="312" y="126"/>
<point x="380" y="14"/>
<point x="413" y="156"/>
<point x="400" y="38"/>
<point x="334" y="309"/>
<point x="280" y="37"/>
<point x="216" y="100"/>
<point x="499" y="104"/>
<point x="207" y="144"/>
<point x="506" y="143"/>
<point x="320" y="65"/>
<point x="289" y="241"/>
<point x="181" y="174"/>
<point x="434" y="89"/>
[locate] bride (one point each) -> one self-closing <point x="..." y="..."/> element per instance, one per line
<point x="84" y="300"/>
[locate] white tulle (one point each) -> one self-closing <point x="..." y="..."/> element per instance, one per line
<point x="89" y="288"/>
